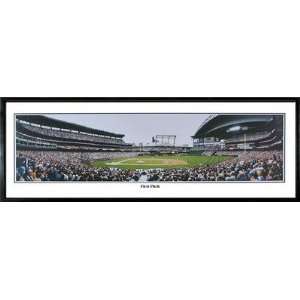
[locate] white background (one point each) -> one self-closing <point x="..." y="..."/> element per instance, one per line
<point x="149" y="251"/>
<point x="121" y="189"/>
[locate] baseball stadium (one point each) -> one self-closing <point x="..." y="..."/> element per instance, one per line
<point x="225" y="147"/>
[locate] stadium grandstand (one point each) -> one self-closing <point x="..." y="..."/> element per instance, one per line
<point x="230" y="132"/>
<point x="38" y="132"/>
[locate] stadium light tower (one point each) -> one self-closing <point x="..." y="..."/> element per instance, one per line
<point x="141" y="147"/>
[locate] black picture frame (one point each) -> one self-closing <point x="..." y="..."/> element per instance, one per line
<point x="5" y="100"/>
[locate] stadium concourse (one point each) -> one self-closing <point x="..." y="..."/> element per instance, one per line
<point x="250" y="148"/>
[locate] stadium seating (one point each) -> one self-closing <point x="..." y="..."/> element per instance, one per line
<point x="32" y="135"/>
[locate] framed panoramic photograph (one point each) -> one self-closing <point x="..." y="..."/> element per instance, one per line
<point x="150" y="149"/>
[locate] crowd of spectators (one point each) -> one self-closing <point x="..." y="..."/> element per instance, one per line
<point x="246" y="166"/>
<point x="70" y="166"/>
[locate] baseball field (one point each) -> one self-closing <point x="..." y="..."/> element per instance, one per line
<point x="161" y="161"/>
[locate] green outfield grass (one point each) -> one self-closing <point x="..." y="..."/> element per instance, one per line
<point x="161" y="161"/>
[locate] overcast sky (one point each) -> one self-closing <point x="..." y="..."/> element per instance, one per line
<point x="139" y="128"/>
